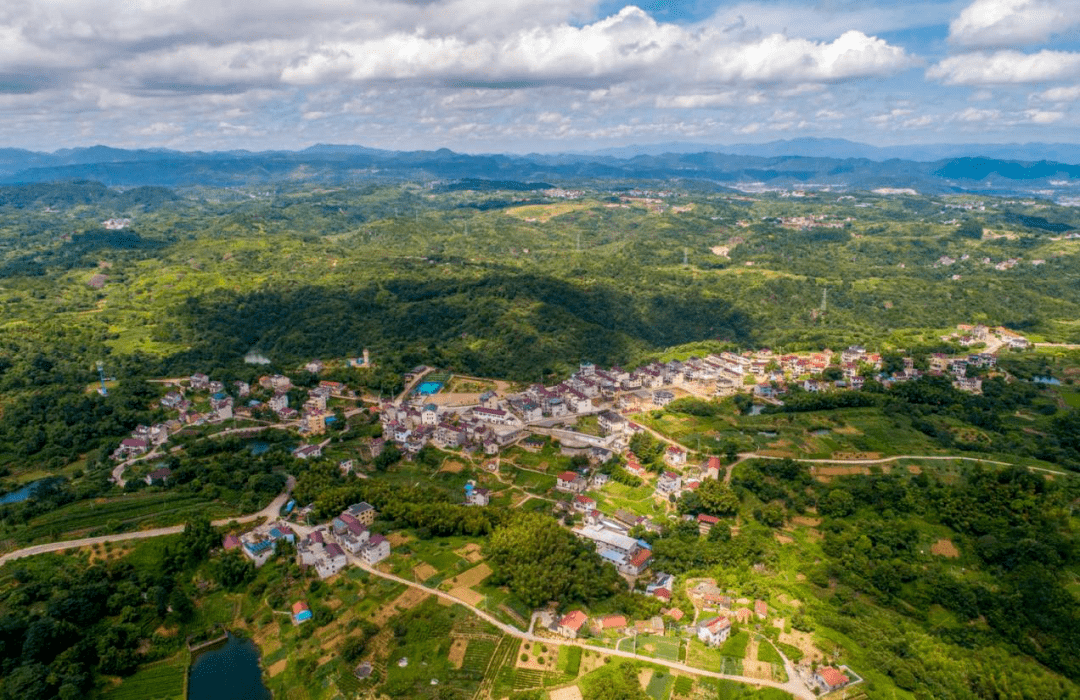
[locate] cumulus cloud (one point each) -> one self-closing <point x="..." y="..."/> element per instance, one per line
<point x="1005" y="23"/>
<point x="1004" y="67"/>
<point x="1060" y="94"/>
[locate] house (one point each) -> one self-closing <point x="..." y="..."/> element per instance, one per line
<point x="378" y="548"/>
<point x="231" y="542"/>
<point x="761" y="609"/>
<point x="363" y="512"/>
<point x="131" y="447"/>
<point x="668" y="483"/>
<point x="307" y="452"/>
<point x="638" y="562"/>
<point x="714" y="631"/>
<point x="332" y="561"/>
<point x="199" y="381"/>
<point x="583" y="504"/>
<point x="314" y="367"/>
<point x="674" y="613"/>
<point x="259" y="551"/>
<point x="571" y="623"/>
<point x="662" y="594"/>
<point x="161" y="476"/>
<point x="830" y="678"/>
<point x="613" y="622"/>
<point x="346" y="466"/>
<point x="663" y="397"/>
<point x="675" y="456"/>
<point x="706" y="522"/>
<point x="477" y="497"/>
<point x="429" y="415"/>
<point x="611" y="422"/>
<point x="570" y="482"/>
<point x="279" y="401"/>
<point x="300" y="612"/>
<point x="354" y="541"/>
<point x="598" y="480"/>
<point x="347" y="523"/>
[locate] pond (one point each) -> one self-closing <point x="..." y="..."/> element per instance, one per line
<point x="257" y="448"/>
<point x="1047" y="380"/>
<point x="19" y="495"/>
<point x="228" y="671"/>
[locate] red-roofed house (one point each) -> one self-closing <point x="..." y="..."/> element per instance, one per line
<point x="830" y="678"/>
<point x="571" y="482"/>
<point x="705" y="522"/>
<point x="743" y="615"/>
<point x="571" y="623"/>
<point x="712" y="469"/>
<point x="613" y="622"/>
<point x="639" y="561"/>
<point x="300" y="612"/>
<point x="231" y="542"/>
<point x="761" y="609"/>
<point x="663" y="594"/>
<point x="675" y="614"/>
<point x="714" y="631"/>
<point x="584" y="504"/>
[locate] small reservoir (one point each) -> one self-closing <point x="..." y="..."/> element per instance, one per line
<point x="227" y="671"/>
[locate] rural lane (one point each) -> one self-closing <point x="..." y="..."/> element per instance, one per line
<point x="271" y="511"/>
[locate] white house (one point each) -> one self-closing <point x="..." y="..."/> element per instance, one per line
<point x="378" y="548"/>
<point x="714" y="631"/>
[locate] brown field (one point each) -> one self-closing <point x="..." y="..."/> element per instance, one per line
<point x="452" y="466"/>
<point x="467" y="595"/>
<point x="472" y="577"/>
<point x="847" y="430"/>
<point x="470" y="552"/>
<point x="914" y="469"/>
<point x="805" y="642"/>
<point x="457" y="652"/>
<point x="856" y="455"/>
<point x="757" y="669"/>
<point x="550" y="657"/>
<point x="277" y="667"/>
<point x="945" y="548"/>
<point x="644" y="676"/>
<point x="398" y="538"/>
<point x="424" y="571"/>
<point x="820" y="470"/>
<point x="783" y="539"/>
<point x="569" y="693"/>
<point x="805" y="521"/>
<point x="409" y="599"/>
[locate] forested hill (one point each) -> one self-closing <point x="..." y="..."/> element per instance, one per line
<point x="344" y="164"/>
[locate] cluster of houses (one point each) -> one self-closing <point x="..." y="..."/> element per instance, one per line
<point x="715" y="629"/>
<point x="259" y="544"/>
<point x="324" y="547"/>
<point x="484" y="427"/>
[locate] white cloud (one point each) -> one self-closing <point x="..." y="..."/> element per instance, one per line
<point x="1038" y="116"/>
<point x="1004" y="23"/>
<point x="972" y="115"/>
<point x="699" y="101"/>
<point x="1060" y="94"/>
<point x="1003" y="67"/>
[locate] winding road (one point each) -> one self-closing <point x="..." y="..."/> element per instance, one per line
<point x="271" y="511"/>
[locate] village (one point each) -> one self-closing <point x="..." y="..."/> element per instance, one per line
<point x="588" y="417"/>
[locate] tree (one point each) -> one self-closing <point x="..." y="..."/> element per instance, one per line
<point x="838" y="503"/>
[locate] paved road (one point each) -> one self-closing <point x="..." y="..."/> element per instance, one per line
<point x="793" y="685"/>
<point x="271" y="511"/>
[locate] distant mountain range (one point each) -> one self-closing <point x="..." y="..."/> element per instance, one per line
<point x="1047" y="170"/>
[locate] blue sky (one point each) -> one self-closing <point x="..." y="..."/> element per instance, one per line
<point x="528" y="75"/>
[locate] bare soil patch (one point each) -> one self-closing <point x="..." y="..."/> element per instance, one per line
<point x="644" y="676"/>
<point x="424" y="571"/>
<point x="277" y="667"/>
<point x="457" y="651"/>
<point x="570" y="693"/>
<point x="452" y="467"/>
<point x="533" y="656"/>
<point x="805" y="521"/>
<point x="472" y="577"/>
<point x="945" y="548"/>
<point x="805" y="642"/>
<point x="470" y="552"/>
<point x="409" y="599"/>
<point x="467" y="595"/>
<point x="757" y="669"/>
<point x="783" y="539"/>
<point x="398" y="538"/>
<point x="914" y="469"/>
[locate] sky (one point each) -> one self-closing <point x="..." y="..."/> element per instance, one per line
<point x="534" y="75"/>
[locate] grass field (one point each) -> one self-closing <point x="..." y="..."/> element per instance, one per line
<point x="163" y="680"/>
<point x="660" y="647"/>
<point x="659" y="687"/>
